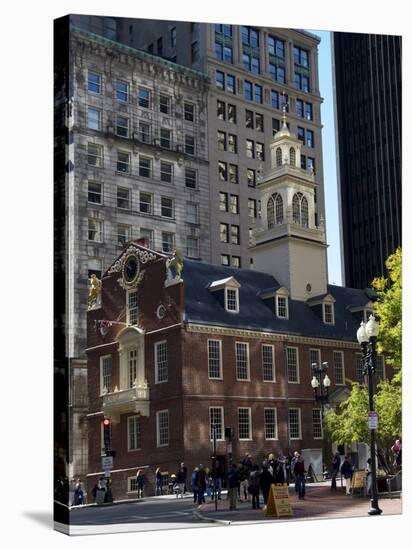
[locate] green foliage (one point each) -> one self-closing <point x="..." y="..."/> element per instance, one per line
<point x="389" y="310"/>
<point x="388" y="404"/>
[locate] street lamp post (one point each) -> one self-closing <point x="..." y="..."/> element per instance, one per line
<point x="321" y="391"/>
<point x="367" y="336"/>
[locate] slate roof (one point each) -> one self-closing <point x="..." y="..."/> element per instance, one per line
<point x="203" y="306"/>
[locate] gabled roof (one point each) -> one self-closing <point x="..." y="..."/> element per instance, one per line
<point x="145" y="254"/>
<point x="204" y="307"/>
<point x="229" y="281"/>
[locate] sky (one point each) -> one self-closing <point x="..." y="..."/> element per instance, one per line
<point x="329" y="157"/>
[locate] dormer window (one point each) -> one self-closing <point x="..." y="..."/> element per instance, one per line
<point x="282" y="304"/>
<point x="328" y="314"/>
<point x="232" y="300"/>
<point x="227" y="293"/>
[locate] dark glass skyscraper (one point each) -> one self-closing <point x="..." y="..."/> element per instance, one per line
<point x="367" y="81"/>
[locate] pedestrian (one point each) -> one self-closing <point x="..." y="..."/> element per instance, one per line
<point x="279" y="473"/>
<point x="243" y="474"/>
<point x="254" y="486"/>
<point x="287" y="468"/>
<point x="335" y="470"/>
<point x="347" y="470"/>
<point x="233" y="485"/>
<point x="201" y="483"/>
<point x="101" y="490"/>
<point x="368" y="476"/>
<point x="181" y="480"/>
<point x="140" y="483"/>
<point x="397" y="453"/>
<point x="184" y="469"/>
<point x="217" y="476"/>
<point x="158" y="480"/>
<point x="247" y="462"/>
<point x="78" y="494"/>
<point x="272" y="464"/>
<point x="195" y="488"/>
<point x="299" y="471"/>
<point x="292" y="468"/>
<point x="265" y="481"/>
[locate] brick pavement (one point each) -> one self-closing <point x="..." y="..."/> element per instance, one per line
<point x="319" y="503"/>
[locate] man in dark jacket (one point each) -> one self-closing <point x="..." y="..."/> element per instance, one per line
<point x="201" y="484"/>
<point x="217" y="477"/>
<point x="347" y="470"/>
<point x="335" y="470"/>
<point x="254" y="486"/>
<point x="299" y="471"/>
<point x="266" y="480"/>
<point x="233" y="484"/>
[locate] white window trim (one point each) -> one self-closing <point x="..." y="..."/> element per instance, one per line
<point x="300" y="423"/>
<point x="343" y="367"/>
<point x="297" y="365"/>
<point x="157" y="381"/>
<point x="158" y="431"/>
<point x="237" y="299"/>
<point x="250" y="438"/>
<point x="274" y="364"/>
<point x="102" y="358"/>
<point x="129" y="482"/>
<point x="277" y="306"/>
<point x="128" y="434"/>
<point x="100" y="82"/>
<point x="220" y="359"/>
<point x="321" y="423"/>
<point x="128" y="292"/>
<point x="248" y="363"/>
<point x="223" y="422"/>
<point x="276" y="424"/>
<point x="324" y="313"/>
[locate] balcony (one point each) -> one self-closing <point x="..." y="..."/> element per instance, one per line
<point x="132" y="400"/>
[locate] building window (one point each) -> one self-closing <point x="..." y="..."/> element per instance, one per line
<point x="189" y="145"/>
<point x="276" y="47"/>
<point x="234" y="204"/>
<point x="166" y="172"/>
<point x="190" y="178"/>
<point x="161" y="362"/>
<point x="143" y="98"/>
<point x="234" y="234"/>
<point x="173" y="37"/>
<point x="301" y="57"/>
<point x="271" y="429"/>
<point x="225" y="259"/>
<point x="328" y="314"/>
<point x="248" y="90"/>
<point x="230" y="84"/>
<point x="282" y="307"/>
<point x="123" y="198"/>
<point x="233" y="173"/>
<point x="220" y="80"/>
<point x="235" y="261"/>
<point x="275" y="126"/>
<point x="300" y="211"/>
<point x="145" y="167"/>
<point x="251" y="62"/>
<point x="251" y="203"/>
<point x="308" y="111"/>
<point x="258" y="93"/>
<point x="294" y="424"/>
<point x="249" y="119"/>
<point x="214" y="358"/>
<point x="223" y="202"/>
<point x="123" y="162"/>
<point x="145" y="203"/>
<point x="317" y="424"/>
<point x="314" y="357"/>
<point x="292" y="156"/>
<point x="242" y="361"/>
<point x="292" y="365"/>
<point x="162" y="428"/>
<point x="301" y="134"/>
<point x="222" y="170"/>
<point x="144" y="132"/>
<point x="131" y="368"/>
<point x="95" y="155"/>
<point x="95" y="230"/>
<point x="94" y="192"/>
<point x="339" y="367"/>
<point x="221" y="110"/>
<point x="165" y="138"/>
<point x="195" y="51"/>
<point x="302" y="82"/>
<point x="259" y="122"/>
<point x="132" y="308"/>
<point x="167" y="207"/>
<point x="310" y="139"/>
<point x="360" y="377"/>
<point x="94" y="82"/>
<point x="232" y="299"/>
<point x="250" y="149"/>
<point x="260" y="151"/>
<point x="274" y="210"/>
<point x="192" y="214"/>
<point x="192" y="247"/>
<point x="245" y="422"/>
<point x="250" y="36"/>
<point x="251" y="177"/>
<point x="216" y="420"/>
<point x="268" y="363"/>
<point x="231" y="113"/>
<point x="168" y="241"/>
<point x="232" y="143"/>
<point x="105" y="374"/>
<point x="133" y="433"/>
<point x="147" y="234"/>
<point x="122" y="91"/>
<point x="310" y="165"/>
<point x="224" y="233"/>
<point x="164" y="104"/>
<point x="94" y="119"/>
<point x="221" y="140"/>
<point x="122" y="126"/>
<point x="123" y="234"/>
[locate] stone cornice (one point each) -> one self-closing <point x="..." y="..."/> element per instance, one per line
<point x="270" y="336"/>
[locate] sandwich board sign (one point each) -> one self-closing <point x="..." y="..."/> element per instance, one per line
<point x="279" y="502"/>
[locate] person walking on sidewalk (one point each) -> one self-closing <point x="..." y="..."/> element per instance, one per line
<point x="201" y="484"/>
<point x="139" y="483"/>
<point x="181" y="480"/>
<point x="195" y="488"/>
<point x="299" y="471"/>
<point x="265" y="481"/>
<point x="347" y="471"/>
<point x="243" y="474"/>
<point x="158" y="480"/>
<point x="254" y="486"/>
<point x="335" y="470"/>
<point x="292" y="468"/>
<point x="233" y="485"/>
<point x="217" y="477"/>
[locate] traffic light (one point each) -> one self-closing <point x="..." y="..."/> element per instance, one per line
<point x="107" y="428"/>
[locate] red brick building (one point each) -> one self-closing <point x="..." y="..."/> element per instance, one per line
<point x="170" y="353"/>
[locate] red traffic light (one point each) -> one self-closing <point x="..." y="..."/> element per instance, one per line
<point x="106" y="422"/>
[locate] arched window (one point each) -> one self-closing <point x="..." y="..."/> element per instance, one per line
<point x="292" y="156"/>
<point x="278" y="156"/>
<point x="271" y="213"/>
<point x="300" y="209"/>
<point x="278" y="209"/>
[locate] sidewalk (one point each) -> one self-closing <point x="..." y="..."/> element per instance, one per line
<point x="319" y="503"/>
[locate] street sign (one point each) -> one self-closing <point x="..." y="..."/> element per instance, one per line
<point x="279" y="502"/>
<point x="372" y="420"/>
<point x="107" y="462"/>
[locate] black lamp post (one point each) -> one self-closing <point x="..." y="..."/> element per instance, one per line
<point x="321" y="391"/>
<point x="367" y="336"/>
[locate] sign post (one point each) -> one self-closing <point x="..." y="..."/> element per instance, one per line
<point x="279" y="502"/>
<point x="373" y="420"/>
